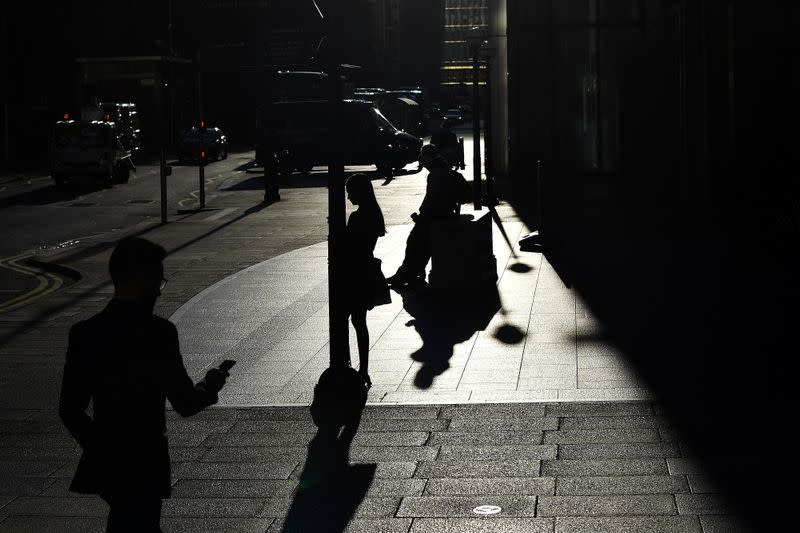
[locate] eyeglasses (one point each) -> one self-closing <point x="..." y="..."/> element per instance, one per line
<point x="163" y="284"/>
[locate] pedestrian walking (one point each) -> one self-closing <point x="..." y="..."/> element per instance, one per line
<point x="366" y="286"/>
<point x="126" y="361"/>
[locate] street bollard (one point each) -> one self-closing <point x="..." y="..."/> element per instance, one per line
<point x="271" y="187"/>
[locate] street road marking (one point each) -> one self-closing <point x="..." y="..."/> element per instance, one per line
<point x="194" y="196"/>
<point x="224" y="212"/>
<point x="47" y="283"/>
<point x="486" y="509"/>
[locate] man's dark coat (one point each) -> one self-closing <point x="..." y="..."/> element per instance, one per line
<point x="127" y="362"/>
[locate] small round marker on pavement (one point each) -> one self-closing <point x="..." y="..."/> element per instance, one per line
<point x="486" y="509"/>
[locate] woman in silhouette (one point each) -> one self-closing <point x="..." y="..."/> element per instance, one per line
<point x="365" y="282"/>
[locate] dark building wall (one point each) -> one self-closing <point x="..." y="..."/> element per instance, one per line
<point x="36" y="82"/>
<point x="419" y="45"/>
<point x="669" y="200"/>
<point x="40" y="44"/>
<point x="663" y="98"/>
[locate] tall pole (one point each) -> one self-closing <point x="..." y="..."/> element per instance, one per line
<point x="201" y="127"/>
<point x="162" y="140"/>
<point x="337" y="314"/>
<point x="169" y="30"/>
<point x="490" y="198"/>
<point x="476" y="128"/>
<point x="6" y="156"/>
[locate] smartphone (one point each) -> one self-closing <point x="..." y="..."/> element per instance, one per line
<point x="226" y="365"/>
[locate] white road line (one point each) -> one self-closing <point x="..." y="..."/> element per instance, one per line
<point x="219" y="215"/>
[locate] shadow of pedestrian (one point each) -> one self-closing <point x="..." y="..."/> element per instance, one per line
<point x="444" y="319"/>
<point x="330" y="488"/>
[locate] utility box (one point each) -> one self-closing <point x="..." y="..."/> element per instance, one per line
<point x="463" y="256"/>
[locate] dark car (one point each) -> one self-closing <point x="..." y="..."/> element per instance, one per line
<point x="455" y="116"/>
<point x="298" y="135"/>
<point x="215" y="144"/>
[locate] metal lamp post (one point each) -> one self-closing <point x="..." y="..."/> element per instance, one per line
<point x="490" y="199"/>
<point x="476" y="37"/>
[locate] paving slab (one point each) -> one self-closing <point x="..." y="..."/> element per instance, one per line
<point x="604" y="467"/>
<point x="630" y="505"/>
<point x="20" y="486"/>
<point x="241" y="454"/>
<point x="396" y="487"/>
<point x="614" y="422"/>
<point x="676" y="524"/>
<point x="212" y="507"/>
<point x="589" y="485"/>
<point x="478" y="469"/>
<point x="228" y="470"/>
<point x="702" y="484"/>
<point x="361" y="525"/>
<point x="482" y="525"/>
<point x="485" y="453"/>
<point x="232" y="488"/>
<point x="52" y="506"/>
<point x="702" y="504"/>
<point x="592" y="436"/>
<point x="619" y="450"/>
<point x="724" y="524"/>
<point x="368" y="507"/>
<point x="52" y="524"/>
<point x="508" y="423"/>
<point x="393" y="453"/>
<point x="497" y="438"/>
<point x="207" y="524"/>
<point x="461" y="506"/>
<point x="496" y="486"/>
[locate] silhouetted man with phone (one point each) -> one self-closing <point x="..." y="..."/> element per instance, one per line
<point x="127" y="362"/>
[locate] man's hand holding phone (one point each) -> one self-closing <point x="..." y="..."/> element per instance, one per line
<point x="215" y="378"/>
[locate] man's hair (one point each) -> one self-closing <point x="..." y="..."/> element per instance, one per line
<point x="133" y="257"/>
<point x="429" y="152"/>
<point x="430" y="155"/>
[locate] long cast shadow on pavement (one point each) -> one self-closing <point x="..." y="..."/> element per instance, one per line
<point x="330" y="488"/>
<point x="100" y="247"/>
<point x="444" y="319"/>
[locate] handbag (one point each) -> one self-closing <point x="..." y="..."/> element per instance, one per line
<point x="339" y="397"/>
<point x="381" y="295"/>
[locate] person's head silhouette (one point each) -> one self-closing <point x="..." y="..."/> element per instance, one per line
<point x="137" y="271"/>
<point x="360" y="193"/>
<point x="430" y="157"/>
<point x="359" y="190"/>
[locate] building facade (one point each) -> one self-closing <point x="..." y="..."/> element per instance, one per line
<point x="461" y="16"/>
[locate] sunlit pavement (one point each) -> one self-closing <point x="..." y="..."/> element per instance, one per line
<point x="272" y="318"/>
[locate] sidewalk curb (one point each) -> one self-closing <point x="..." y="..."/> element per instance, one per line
<point x="54" y="268"/>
